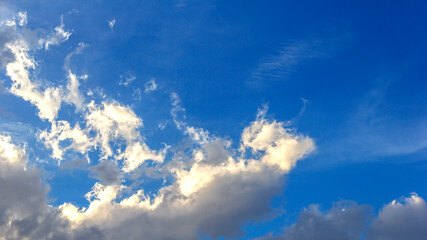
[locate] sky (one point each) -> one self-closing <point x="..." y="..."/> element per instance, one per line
<point x="210" y="119"/>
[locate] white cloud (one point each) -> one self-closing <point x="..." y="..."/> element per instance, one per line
<point x="198" y="135"/>
<point x="112" y="121"/>
<point x="59" y="36"/>
<point x="177" y="112"/>
<point x="212" y="188"/>
<point x="127" y="79"/>
<point x="74" y="95"/>
<point x="137" y="153"/>
<point x="397" y="220"/>
<point x="60" y="132"/>
<point x="150" y="86"/>
<point x="111" y="24"/>
<point x="281" y="147"/>
<point x="211" y="179"/>
<point x="24" y="212"/>
<point x="48" y="101"/>
<point x="22" y="18"/>
<point x="281" y="64"/>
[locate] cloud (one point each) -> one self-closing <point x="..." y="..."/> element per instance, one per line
<point x="276" y="142"/>
<point x="150" y="86"/>
<point x="107" y="172"/>
<point x="48" y="101"/>
<point x="109" y="121"/>
<point x="78" y="50"/>
<point x="24" y="212"/>
<point x="112" y="121"/>
<point x="397" y="220"/>
<point x="345" y="221"/>
<point x="127" y="79"/>
<point x="177" y="112"/>
<point x="74" y="95"/>
<point x="136" y="154"/>
<point x="19" y="63"/>
<point x="373" y="131"/>
<point x="60" y="132"/>
<point x="7" y="35"/>
<point x="111" y="24"/>
<point x="210" y="188"/>
<point x="283" y="62"/>
<point x="59" y="36"/>
<point x="213" y="192"/>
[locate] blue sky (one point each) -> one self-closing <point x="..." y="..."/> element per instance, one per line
<point x="213" y="119"/>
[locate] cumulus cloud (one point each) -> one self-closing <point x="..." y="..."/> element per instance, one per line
<point x="112" y="121"/>
<point x="213" y="192"/>
<point x="109" y="121"/>
<point x="405" y="219"/>
<point x="398" y="220"/>
<point x="276" y="142"/>
<point x="24" y="211"/>
<point x="209" y="189"/>
<point x="345" y="221"/>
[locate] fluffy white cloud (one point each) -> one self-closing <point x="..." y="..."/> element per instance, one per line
<point x="61" y="131"/>
<point x="214" y="191"/>
<point x="113" y="121"/>
<point x="281" y="147"/>
<point x="137" y="153"/>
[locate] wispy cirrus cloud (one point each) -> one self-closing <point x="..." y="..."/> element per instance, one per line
<point x="283" y="62"/>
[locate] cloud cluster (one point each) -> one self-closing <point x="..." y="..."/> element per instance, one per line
<point x="398" y="220"/>
<point x="24" y="211"/>
<point x="213" y="192"/>
<point x="209" y="189"/>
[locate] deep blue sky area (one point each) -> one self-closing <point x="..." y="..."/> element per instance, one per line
<point x="351" y="75"/>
